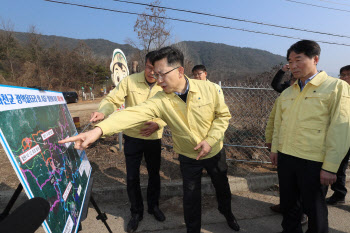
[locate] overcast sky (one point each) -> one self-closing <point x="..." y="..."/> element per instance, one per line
<point x="327" y="16"/>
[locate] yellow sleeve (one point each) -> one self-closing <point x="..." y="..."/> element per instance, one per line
<point x="160" y="123"/>
<point x="338" y="134"/>
<point x="269" y="125"/>
<point x="221" y="120"/>
<point x="114" y="99"/>
<point x="221" y="93"/>
<point x="276" y="125"/>
<point x="131" y="117"/>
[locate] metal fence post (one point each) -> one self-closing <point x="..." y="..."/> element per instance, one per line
<point x="120" y="138"/>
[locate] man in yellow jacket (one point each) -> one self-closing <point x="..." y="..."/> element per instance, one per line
<point x="199" y="72"/>
<point x="338" y="197"/>
<point x="141" y="140"/>
<point x="198" y="118"/>
<point x="310" y="138"/>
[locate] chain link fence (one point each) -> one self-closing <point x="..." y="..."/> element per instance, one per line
<point x="250" y="106"/>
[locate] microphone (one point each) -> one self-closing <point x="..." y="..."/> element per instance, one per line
<point x="27" y="218"/>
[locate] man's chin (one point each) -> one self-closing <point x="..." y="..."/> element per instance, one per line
<point x="297" y="75"/>
<point x="166" y="90"/>
<point x="151" y="80"/>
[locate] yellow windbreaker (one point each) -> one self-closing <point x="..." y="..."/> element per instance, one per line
<point x="205" y="116"/>
<point x="218" y="89"/>
<point x="314" y="124"/>
<point x="132" y="90"/>
<point x="270" y="123"/>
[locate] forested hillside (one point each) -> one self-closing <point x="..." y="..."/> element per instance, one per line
<point x="60" y="63"/>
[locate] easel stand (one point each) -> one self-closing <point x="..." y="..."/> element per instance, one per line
<point x="101" y="216"/>
<point x="12" y="201"/>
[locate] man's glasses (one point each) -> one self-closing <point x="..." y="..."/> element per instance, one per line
<point x="160" y="75"/>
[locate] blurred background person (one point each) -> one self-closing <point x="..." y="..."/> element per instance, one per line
<point x="338" y="197"/>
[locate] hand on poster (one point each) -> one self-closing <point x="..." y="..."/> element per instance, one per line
<point x="151" y="128"/>
<point x="84" y="140"/>
<point x="97" y="116"/>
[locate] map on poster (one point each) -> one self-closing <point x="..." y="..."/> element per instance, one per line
<point x="31" y="123"/>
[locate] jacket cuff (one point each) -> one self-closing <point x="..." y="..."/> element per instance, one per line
<point x="330" y="167"/>
<point x="105" y="112"/>
<point x="106" y="129"/>
<point x="329" y="171"/>
<point x="274" y="149"/>
<point x="211" y="141"/>
<point x="160" y="122"/>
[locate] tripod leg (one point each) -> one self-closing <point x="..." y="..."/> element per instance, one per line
<point x="101" y="216"/>
<point x="80" y="228"/>
<point x="12" y="201"/>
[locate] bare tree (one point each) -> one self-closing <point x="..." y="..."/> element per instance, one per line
<point x="36" y="51"/>
<point x="152" y="30"/>
<point x="84" y="52"/>
<point x="50" y="64"/>
<point x="188" y="63"/>
<point x="8" y="45"/>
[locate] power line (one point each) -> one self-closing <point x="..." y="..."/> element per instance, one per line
<point x="191" y="21"/>
<point x="338" y="3"/>
<point x="309" y="4"/>
<point x="234" y="19"/>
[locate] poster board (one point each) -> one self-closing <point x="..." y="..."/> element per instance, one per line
<point x="31" y="124"/>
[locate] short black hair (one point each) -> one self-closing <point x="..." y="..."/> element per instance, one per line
<point x="199" y="67"/>
<point x="173" y="55"/>
<point x="309" y="47"/>
<point x="344" y="68"/>
<point x="150" y="56"/>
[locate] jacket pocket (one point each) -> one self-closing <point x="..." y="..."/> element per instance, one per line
<point x="286" y="102"/>
<point x="138" y="96"/>
<point x="311" y="137"/>
<point x="316" y="103"/>
<point x="203" y="111"/>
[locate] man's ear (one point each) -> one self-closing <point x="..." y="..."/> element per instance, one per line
<point x="316" y="59"/>
<point x="181" y="70"/>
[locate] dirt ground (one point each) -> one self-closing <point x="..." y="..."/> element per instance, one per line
<point x="108" y="163"/>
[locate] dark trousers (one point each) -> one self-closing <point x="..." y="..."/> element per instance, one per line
<point x="191" y="170"/>
<point x="339" y="186"/>
<point x="299" y="179"/>
<point x="134" y="149"/>
<point x="27" y="217"/>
